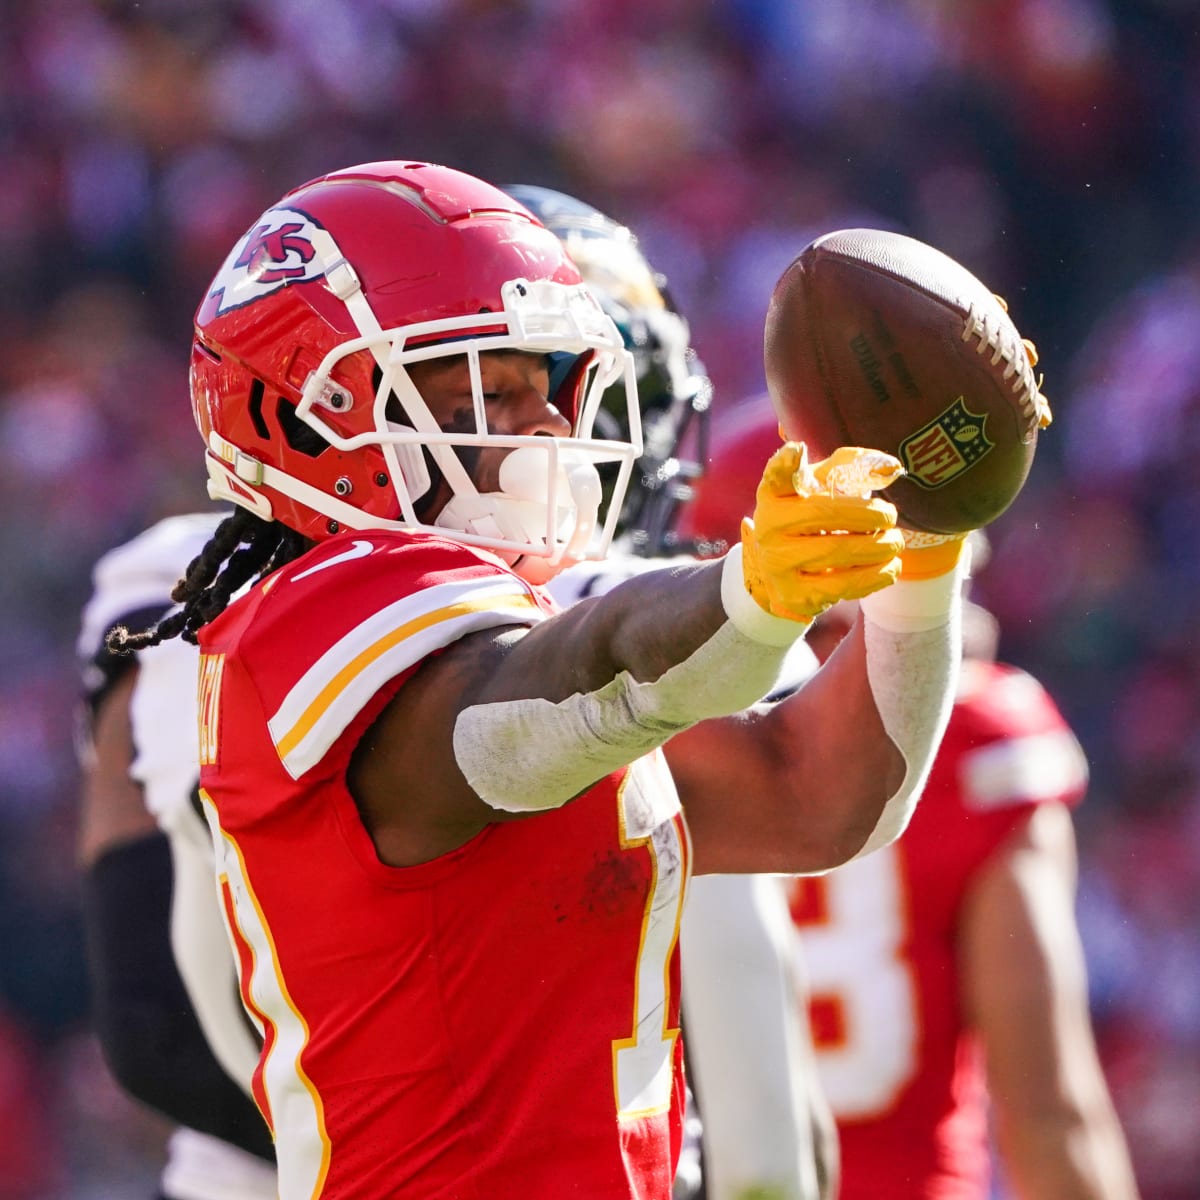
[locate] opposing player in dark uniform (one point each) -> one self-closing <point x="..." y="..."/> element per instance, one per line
<point x="452" y="855"/>
<point x="165" y="1001"/>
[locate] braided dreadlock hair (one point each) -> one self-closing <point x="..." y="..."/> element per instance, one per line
<point x="243" y="547"/>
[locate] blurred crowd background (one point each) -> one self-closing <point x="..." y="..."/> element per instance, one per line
<point x="1051" y="145"/>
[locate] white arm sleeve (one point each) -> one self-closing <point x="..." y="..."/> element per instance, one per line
<point x="166" y="763"/>
<point x="754" y="1071"/>
<point x="532" y="755"/>
<point x="914" y="649"/>
<point x="200" y="1167"/>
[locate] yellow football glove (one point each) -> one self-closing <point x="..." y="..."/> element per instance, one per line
<point x="818" y="535"/>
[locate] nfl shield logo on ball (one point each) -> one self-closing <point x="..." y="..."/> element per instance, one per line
<point x="946" y="447"/>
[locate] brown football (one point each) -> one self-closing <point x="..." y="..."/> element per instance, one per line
<point x="877" y="339"/>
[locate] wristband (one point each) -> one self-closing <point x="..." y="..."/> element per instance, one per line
<point x="927" y="555"/>
<point x="910" y="606"/>
<point x="745" y="613"/>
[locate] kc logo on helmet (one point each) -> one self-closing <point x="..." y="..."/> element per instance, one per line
<point x="276" y="252"/>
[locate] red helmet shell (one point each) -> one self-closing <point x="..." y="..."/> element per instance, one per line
<point x="426" y="242"/>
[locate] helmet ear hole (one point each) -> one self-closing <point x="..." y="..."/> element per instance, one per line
<point x="255" y="406"/>
<point x="300" y="437"/>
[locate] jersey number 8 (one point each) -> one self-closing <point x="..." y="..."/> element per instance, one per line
<point x="863" y="1003"/>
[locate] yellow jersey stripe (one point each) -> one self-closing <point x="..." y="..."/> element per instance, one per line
<point x="369" y="630"/>
<point x="365" y="658"/>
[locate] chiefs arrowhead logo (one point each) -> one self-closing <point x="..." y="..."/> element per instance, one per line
<point x="277" y="251"/>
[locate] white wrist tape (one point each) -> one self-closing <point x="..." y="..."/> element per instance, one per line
<point x="909" y="606"/>
<point x="532" y="755"/>
<point x="913" y="656"/>
<point x="747" y="614"/>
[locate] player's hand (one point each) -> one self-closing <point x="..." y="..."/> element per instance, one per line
<point x="818" y="535"/>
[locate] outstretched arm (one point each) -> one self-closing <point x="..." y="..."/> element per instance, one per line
<point x="1024" y="985"/>
<point x="835" y="769"/>
<point x="513" y="722"/>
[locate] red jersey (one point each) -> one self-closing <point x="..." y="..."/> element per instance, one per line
<point x="499" y="1022"/>
<point x="879" y="936"/>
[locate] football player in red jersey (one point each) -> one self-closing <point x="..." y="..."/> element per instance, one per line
<point x="765" y="1125"/>
<point x="946" y="971"/>
<point x="451" y="854"/>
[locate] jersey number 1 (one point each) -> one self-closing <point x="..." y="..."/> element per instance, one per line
<point x="643" y="1065"/>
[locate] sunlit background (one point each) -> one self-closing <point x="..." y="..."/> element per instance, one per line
<point x="1051" y="145"/>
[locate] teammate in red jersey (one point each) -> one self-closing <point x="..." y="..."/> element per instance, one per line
<point x="451" y="853"/>
<point x="947" y="974"/>
<point x="945" y="970"/>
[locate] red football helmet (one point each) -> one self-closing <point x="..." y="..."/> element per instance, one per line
<point x="741" y="440"/>
<point x="299" y="371"/>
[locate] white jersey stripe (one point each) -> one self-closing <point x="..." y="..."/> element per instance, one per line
<point x="1041" y="766"/>
<point x="334" y="690"/>
<point x="292" y="1099"/>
